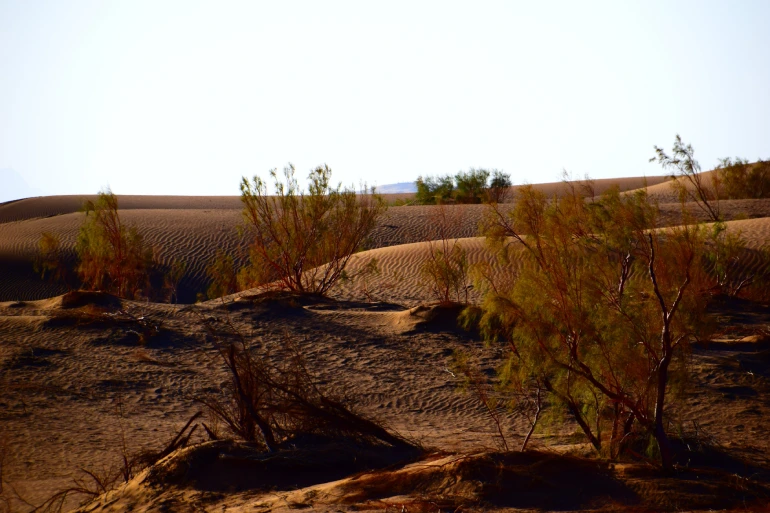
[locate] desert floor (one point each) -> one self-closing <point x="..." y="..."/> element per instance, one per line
<point x="88" y="378"/>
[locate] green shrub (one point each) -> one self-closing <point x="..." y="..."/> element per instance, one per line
<point x="499" y="188"/>
<point x="433" y="190"/>
<point x="302" y="241"/>
<point x="740" y="179"/>
<point x="602" y="310"/>
<point x="112" y="256"/>
<point x="470" y="186"/>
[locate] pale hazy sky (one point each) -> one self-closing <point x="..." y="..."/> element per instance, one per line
<point x="185" y="97"/>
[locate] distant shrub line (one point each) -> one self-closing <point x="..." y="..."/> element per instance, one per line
<point x="468" y="187"/>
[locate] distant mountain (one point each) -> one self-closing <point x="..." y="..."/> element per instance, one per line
<point x="396" y="188"/>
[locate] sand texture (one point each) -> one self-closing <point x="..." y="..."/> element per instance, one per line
<point x="86" y="378"/>
<point x="193" y="232"/>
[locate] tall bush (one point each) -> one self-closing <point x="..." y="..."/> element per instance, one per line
<point x="112" y="255"/>
<point x="499" y="187"/>
<point x="471" y="185"/>
<point x="602" y="311"/>
<point x="302" y="241"/>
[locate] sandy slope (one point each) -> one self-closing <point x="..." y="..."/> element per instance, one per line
<point x="78" y="382"/>
<point x="195" y="234"/>
<point x="46" y="206"/>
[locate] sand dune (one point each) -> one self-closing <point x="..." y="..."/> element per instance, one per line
<point x="193" y="229"/>
<point x="47" y="206"/>
<point x="78" y="379"/>
<point x="192" y="236"/>
<point x="399" y="278"/>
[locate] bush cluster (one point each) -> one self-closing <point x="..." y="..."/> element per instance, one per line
<point x="472" y="186"/>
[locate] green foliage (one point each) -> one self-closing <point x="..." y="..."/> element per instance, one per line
<point x="113" y="256"/>
<point x="433" y="190"/>
<point x="499" y="187"/>
<point x="601" y="307"/>
<point x="470" y="186"/>
<point x="740" y="179"/>
<point x="303" y="241"/>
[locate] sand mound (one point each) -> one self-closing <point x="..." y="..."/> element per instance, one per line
<point x="522" y="481"/>
<point x="81" y="298"/>
<point x="238" y="466"/>
<point x="434" y="317"/>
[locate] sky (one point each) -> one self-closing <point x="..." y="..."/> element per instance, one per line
<point x="186" y="97"/>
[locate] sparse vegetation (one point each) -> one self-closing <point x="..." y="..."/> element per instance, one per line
<point x="732" y="179"/>
<point x="302" y="241"/>
<point x="90" y="484"/>
<point x="276" y="401"/>
<point x="172" y="278"/>
<point x="688" y="180"/>
<point x="50" y="261"/>
<point x="222" y="275"/>
<point x="112" y="256"/>
<point x="445" y="270"/>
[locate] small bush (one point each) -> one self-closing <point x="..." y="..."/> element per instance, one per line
<point x="172" y="278"/>
<point x="50" y="262"/>
<point x="445" y="270"/>
<point x="302" y="241"/>
<point x="275" y="401"/>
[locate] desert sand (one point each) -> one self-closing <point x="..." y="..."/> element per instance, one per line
<point x="83" y="381"/>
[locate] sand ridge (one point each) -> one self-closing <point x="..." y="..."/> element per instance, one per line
<point x="195" y="235"/>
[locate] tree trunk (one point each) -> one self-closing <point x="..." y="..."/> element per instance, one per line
<point x="584" y="426"/>
<point x="664" y="445"/>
